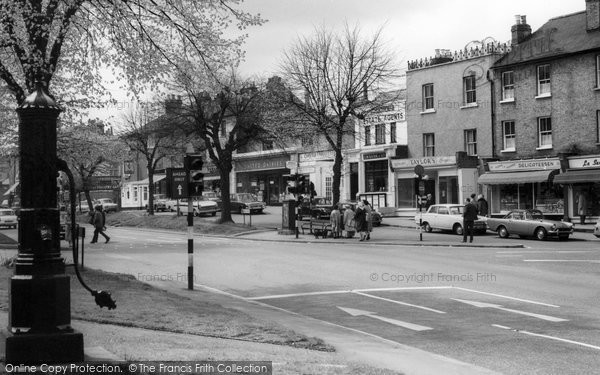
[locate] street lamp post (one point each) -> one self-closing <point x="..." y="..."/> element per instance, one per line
<point x="39" y="299"/>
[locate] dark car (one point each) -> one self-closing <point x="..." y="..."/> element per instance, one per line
<point x="241" y="202"/>
<point x="376" y="216"/>
<point x="319" y="208"/>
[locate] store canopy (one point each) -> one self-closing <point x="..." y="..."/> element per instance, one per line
<point x="145" y="181"/>
<point x="577" y="177"/>
<point x="503" y="178"/>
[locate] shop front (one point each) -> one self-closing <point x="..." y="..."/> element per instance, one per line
<point x="318" y="166"/>
<point x="263" y="177"/>
<point x="449" y="179"/>
<point x="523" y="184"/>
<point x="375" y="178"/>
<point x="582" y="179"/>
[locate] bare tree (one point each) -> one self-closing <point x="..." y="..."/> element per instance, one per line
<point x="153" y="137"/>
<point x="333" y="72"/>
<point x="89" y="151"/>
<point x="225" y="113"/>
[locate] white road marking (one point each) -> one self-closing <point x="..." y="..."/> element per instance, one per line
<point x="275" y="296"/>
<point x="499" y="307"/>
<point x="562" y="260"/>
<point x="541" y="251"/>
<point x="549" y="337"/>
<point x="403" y="288"/>
<point x="399" y="302"/>
<point x="399" y="323"/>
<point x="116" y="256"/>
<point x="507" y="297"/>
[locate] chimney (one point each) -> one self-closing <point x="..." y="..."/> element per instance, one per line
<point x="520" y="30"/>
<point x="173" y="104"/>
<point x="592" y="14"/>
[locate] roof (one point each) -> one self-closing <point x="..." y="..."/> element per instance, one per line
<point x="560" y="36"/>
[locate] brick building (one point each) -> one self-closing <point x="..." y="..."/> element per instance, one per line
<point x="547" y="103"/>
<point x="449" y="108"/>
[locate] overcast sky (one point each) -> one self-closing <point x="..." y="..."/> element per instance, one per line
<point x="413" y="28"/>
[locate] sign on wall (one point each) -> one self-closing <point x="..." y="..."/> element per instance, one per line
<point x="584" y="162"/>
<point x="524" y="165"/>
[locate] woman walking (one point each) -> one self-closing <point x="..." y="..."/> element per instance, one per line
<point x="349" y="225"/>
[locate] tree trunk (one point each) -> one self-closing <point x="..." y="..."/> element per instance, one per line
<point x="150" y="191"/>
<point x="224" y="172"/>
<point x="337" y="176"/>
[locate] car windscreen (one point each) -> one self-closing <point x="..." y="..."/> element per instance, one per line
<point x="322" y="201"/>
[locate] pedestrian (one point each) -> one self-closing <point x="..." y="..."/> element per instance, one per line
<point x="335" y="219"/>
<point x="99" y="220"/>
<point x="469" y="217"/>
<point x="582" y="207"/>
<point x="369" y="215"/>
<point x="349" y="224"/>
<point x="482" y="206"/>
<point x="428" y="202"/>
<point x="360" y="220"/>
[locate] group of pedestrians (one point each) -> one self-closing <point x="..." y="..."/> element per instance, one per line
<point x="473" y="209"/>
<point x="352" y="221"/>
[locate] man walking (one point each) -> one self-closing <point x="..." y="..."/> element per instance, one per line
<point x="482" y="206"/>
<point x="98" y="222"/>
<point x="469" y="217"/>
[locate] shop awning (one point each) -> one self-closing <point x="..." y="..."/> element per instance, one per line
<point x="145" y="181"/>
<point x="516" y="177"/>
<point x="577" y="177"/>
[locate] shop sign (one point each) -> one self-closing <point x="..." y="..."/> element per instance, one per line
<point x="524" y="165"/>
<point x="433" y="161"/>
<point x="586" y="162"/>
<point x="375" y="155"/>
<point x="317" y="155"/>
<point x="306" y="170"/>
<point x="260" y="164"/>
<point x="382" y="118"/>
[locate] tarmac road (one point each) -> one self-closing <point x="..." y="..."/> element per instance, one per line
<point x="528" y="309"/>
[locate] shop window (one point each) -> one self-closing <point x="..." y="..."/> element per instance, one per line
<point x="597" y="71"/>
<point x="393" y="132"/>
<point x="428" y="97"/>
<point x="471" y="142"/>
<point x="328" y="187"/>
<point x="470" y="92"/>
<point x="508" y="86"/>
<point x="367" y="135"/>
<point x="508" y="135"/>
<point x="597" y="126"/>
<point x="543" y="196"/>
<point x="543" y="80"/>
<point x="406" y="193"/>
<point x="379" y="134"/>
<point x="145" y="193"/>
<point x="429" y="144"/>
<point x="376" y="176"/>
<point x="544" y="132"/>
<point x="135" y="193"/>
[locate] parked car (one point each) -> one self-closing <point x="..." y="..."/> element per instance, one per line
<point x="319" y="208"/>
<point x="160" y="203"/>
<point x="597" y="229"/>
<point x="447" y="217"/>
<point x="8" y="218"/>
<point x="107" y="204"/>
<point x="201" y="206"/>
<point x="376" y="216"/>
<point x="529" y="223"/>
<point x="243" y="201"/>
<point x="211" y="195"/>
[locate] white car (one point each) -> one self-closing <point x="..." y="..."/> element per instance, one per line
<point x="597" y="229"/>
<point x="202" y="206"/>
<point x="8" y="218"/>
<point x="107" y="204"/>
<point x="447" y="217"/>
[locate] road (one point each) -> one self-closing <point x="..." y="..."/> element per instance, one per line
<point x="517" y="311"/>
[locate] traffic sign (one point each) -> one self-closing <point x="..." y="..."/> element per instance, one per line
<point x="177" y="184"/>
<point x="419" y="170"/>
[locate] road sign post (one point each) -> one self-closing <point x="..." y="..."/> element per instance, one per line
<point x="420" y="171"/>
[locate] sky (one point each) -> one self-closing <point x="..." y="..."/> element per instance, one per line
<point x="413" y="29"/>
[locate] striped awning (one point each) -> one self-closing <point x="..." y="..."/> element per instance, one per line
<point x="503" y="178"/>
<point x="578" y="177"/>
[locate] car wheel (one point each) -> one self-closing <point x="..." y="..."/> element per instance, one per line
<point x="427" y="228"/>
<point x="502" y="232"/>
<point x="457" y="229"/>
<point x="540" y="233"/>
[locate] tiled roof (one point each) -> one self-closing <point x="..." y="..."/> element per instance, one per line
<point x="558" y="37"/>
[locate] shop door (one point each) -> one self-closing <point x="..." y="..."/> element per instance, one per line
<point x="273" y="190"/>
<point x="353" y="180"/>
<point x="449" y="190"/>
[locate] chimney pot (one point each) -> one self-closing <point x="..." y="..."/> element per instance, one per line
<point x="518" y="19"/>
<point x="521" y="30"/>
